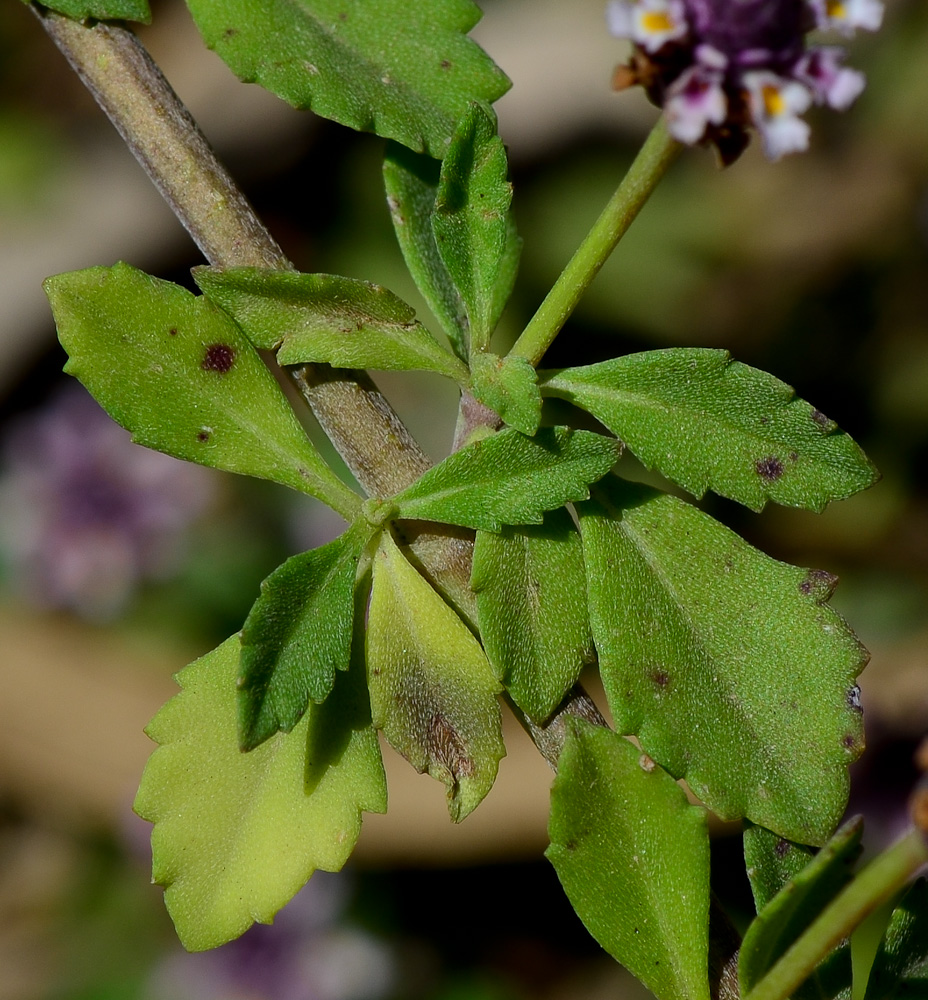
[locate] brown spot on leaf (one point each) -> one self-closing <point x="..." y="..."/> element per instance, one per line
<point x="824" y="422"/>
<point x="203" y="435"/>
<point x="818" y="583"/>
<point x="782" y="848"/>
<point x="769" y="468"/>
<point x="445" y="745"/>
<point x="172" y="332"/>
<point x="661" y="678"/>
<point x="445" y="64"/>
<point x="793" y="457"/>
<point x="849" y="741"/>
<point x="218" y="358"/>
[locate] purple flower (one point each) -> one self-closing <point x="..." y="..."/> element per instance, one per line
<point x="309" y="953"/>
<point x="87" y="514"/>
<point x="720" y="68"/>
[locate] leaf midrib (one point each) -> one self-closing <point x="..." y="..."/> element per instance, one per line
<point x="566" y="389"/>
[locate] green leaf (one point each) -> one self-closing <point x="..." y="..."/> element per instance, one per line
<point x="727" y="665"/>
<point x="633" y="857"/>
<point x="509" y="478"/>
<point x="101" y="10"/>
<point x="707" y="422"/>
<point x="509" y="386"/>
<point x="238" y="834"/>
<point x="179" y="374"/>
<point x="900" y="968"/>
<point x="411" y="181"/>
<point x="474" y="231"/>
<point x="780" y="923"/>
<point x="531" y="604"/>
<point x="297" y="634"/>
<point x="771" y="861"/>
<point x="324" y="317"/>
<point x="432" y="691"/>
<point x="404" y="71"/>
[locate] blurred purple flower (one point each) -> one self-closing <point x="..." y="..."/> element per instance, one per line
<point x="308" y="953"/>
<point x="722" y="67"/>
<point x="86" y="514"/>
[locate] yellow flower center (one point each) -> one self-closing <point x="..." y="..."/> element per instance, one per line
<point x="835" y="9"/>
<point x="656" y="22"/>
<point x="774" y="104"/>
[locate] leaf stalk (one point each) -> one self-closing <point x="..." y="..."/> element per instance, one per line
<point x="886" y="875"/>
<point x="658" y="152"/>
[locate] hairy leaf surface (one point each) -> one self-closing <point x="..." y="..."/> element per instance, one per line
<point x="238" y="834"/>
<point x="474" y="231"/>
<point x="403" y="70"/>
<point x="728" y="665"/>
<point x="771" y="861"/>
<point x="297" y="634"/>
<point x="900" y="968"/>
<point x="432" y="690"/>
<point x="179" y="374"/>
<point x="531" y="602"/>
<point x="708" y="422"/>
<point x="324" y="317"/>
<point x="780" y="923"/>
<point x="509" y="478"/>
<point x="102" y="10"/>
<point x="633" y="857"/>
<point x="411" y="180"/>
<point x="509" y="387"/>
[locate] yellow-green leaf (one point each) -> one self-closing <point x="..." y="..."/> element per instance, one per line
<point x="432" y="690"/>
<point x="238" y="834"/>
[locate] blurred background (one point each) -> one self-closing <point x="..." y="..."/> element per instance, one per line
<point x="118" y="566"/>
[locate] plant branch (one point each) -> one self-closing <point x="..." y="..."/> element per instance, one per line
<point x="362" y="425"/>
<point x="875" y="885"/>
<point x="138" y="100"/>
<point x="650" y="165"/>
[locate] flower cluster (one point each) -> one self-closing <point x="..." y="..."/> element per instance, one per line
<point x="721" y="67"/>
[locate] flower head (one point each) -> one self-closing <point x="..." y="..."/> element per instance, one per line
<point x="720" y="68"/>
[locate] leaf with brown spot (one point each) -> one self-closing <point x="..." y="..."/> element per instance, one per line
<point x="728" y="671"/>
<point x="710" y="423"/>
<point x="325" y="317"/>
<point x="175" y="371"/>
<point x="791" y="889"/>
<point x="432" y="690"/>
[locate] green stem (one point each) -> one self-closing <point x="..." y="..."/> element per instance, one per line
<point x="656" y="155"/>
<point x="875" y="885"/>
